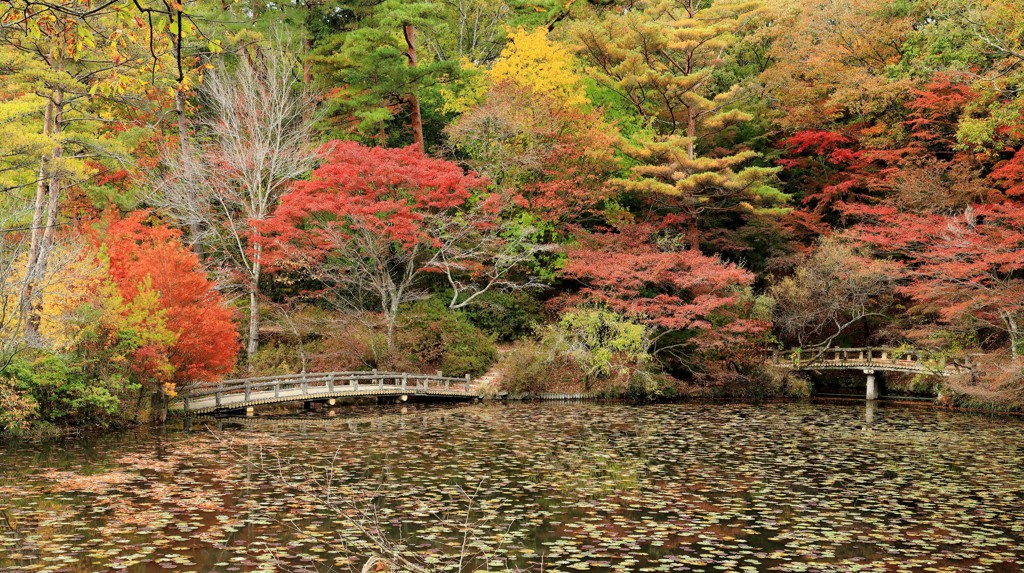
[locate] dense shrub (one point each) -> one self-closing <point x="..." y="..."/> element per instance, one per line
<point x="590" y="350"/>
<point x="275" y="357"/>
<point x="759" y="382"/>
<point x="317" y="340"/>
<point x="62" y="392"/>
<point x="507" y="316"/>
<point x="603" y="342"/>
<point x="994" y="382"/>
<point x="431" y="337"/>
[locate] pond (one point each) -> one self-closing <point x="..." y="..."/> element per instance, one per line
<point x="549" y="487"/>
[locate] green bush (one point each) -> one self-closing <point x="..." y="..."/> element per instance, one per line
<point x="603" y="342"/>
<point x="431" y="337"/>
<point x="644" y="386"/>
<point x="590" y="350"/>
<point x="64" y="393"/>
<point x="507" y="316"/>
<point x="275" y="357"/>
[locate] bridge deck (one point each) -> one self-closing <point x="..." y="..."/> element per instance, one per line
<point x="245" y="393"/>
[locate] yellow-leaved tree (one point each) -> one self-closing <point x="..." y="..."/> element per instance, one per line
<point x="546" y="67"/>
<point x="530" y="61"/>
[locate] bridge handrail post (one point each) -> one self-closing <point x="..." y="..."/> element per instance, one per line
<point x="467" y="382"/>
<point x="405" y="381"/>
<point x="305" y="386"/>
<point x="330" y="382"/>
<point x="217" y="399"/>
<point x="248" y="390"/>
<point x="277" y="388"/>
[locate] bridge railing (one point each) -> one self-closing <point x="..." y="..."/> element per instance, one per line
<point x="322" y="381"/>
<point x="882" y="356"/>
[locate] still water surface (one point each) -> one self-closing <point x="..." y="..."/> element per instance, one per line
<point x="549" y="487"/>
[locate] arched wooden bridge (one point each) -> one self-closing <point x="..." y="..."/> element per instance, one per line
<point x="867" y="360"/>
<point x="320" y="386"/>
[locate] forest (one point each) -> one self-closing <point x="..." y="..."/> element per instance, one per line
<point x="636" y="198"/>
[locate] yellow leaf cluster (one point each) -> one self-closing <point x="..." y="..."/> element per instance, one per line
<point x="532" y="60"/>
<point x="67" y="287"/>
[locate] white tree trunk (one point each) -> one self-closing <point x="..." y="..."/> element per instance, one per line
<point x="253" y="343"/>
<point x="1013" y="328"/>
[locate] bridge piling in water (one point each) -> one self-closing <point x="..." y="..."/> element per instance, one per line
<point x="872" y="390"/>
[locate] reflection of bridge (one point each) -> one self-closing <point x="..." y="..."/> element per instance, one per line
<point x="247" y="393"/>
<point x="867" y="360"/>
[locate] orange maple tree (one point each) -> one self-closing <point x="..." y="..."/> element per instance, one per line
<point x="148" y="255"/>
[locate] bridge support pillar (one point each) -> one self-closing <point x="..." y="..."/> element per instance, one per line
<point x="870" y="409"/>
<point x="872" y="392"/>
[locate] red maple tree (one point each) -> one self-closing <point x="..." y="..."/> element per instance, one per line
<point x="641" y="272"/>
<point x="371" y="222"/>
<point x="142" y="251"/>
<point x="968" y="267"/>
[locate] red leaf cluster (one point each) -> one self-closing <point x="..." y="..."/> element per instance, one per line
<point x="207" y="340"/>
<point x="668" y="288"/>
<point x="967" y="266"/>
<point x="387" y="193"/>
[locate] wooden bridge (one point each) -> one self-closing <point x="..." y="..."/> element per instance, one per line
<point x="246" y="393"/>
<point x="867" y="360"/>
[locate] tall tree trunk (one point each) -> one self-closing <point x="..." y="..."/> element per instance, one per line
<point x="691" y="133"/>
<point x="391" y="316"/>
<point x="47" y="200"/>
<point x="307" y="67"/>
<point x="195" y="229"/>
<point x="36" y="233"/>
<point x="1014" y="330"/>
<point x="52" y="205"/>
<point x="414" y="102"/>
<point x="53" y="201"/>
<point x="692" y="232"/>
<point x="179" y="108"/>
<point x="253" y="342"/>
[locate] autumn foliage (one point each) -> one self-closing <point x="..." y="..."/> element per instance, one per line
<point x="718" y="178"/>
<point x="641" y="273"/>
<point x="144" y="254"/>
<point x="386" y="193"/>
